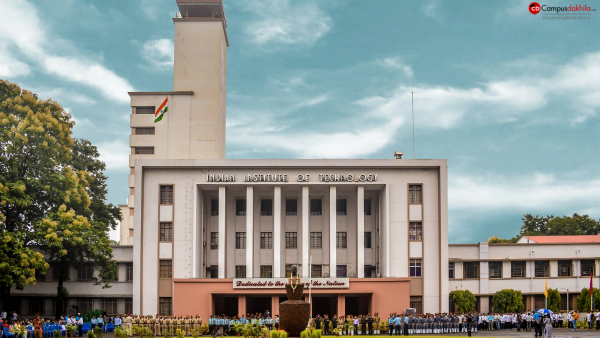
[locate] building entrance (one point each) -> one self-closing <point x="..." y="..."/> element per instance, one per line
<point x="324" y="305"/>
<point x="258" y="304"/>
<point x="226" y="305"/>
<point x="357" y="304"/>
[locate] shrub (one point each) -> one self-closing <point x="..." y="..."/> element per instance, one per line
<point x="91" y="334"/>
<point x="274" y="334"/>
<point x="319" y="333"/>
<point x="282" y="334"/>
<point x="314" y="334"/>
<point x="304" y="334"/>
<point x="57" y="334"/>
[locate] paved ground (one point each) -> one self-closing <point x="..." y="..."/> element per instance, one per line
<point x="503" y="333"/>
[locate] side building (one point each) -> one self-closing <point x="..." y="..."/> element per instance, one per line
<point x="83" y="294"/>
<point x="565" y="262"/>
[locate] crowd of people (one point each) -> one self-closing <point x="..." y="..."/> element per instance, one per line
<point x="395" y="324"/>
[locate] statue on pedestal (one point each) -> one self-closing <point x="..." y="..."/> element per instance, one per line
<point x="294" y="313"/>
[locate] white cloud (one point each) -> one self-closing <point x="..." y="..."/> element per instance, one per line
<point x="114" y="153"/>
<point x="287" y="22"/>
<point x="539" y="191"/>
<point x="431" y="9"/>
<point x="21" y="27"/>
<point x="396" y="63"/>
<point x="11" y="67"/>
<point x="159" y="53"/>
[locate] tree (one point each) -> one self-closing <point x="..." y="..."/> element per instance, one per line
<point x="583" y="300"/>
<point x="496" y="239"/>
<point x="38" y="155"/>
<point x="553" y="300"/>
<point x="464" y="300"/>
<point x="508" y="300"/>
<point x="565" y="225"/>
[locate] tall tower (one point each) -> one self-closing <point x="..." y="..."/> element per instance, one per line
<point x="194" y="126"/>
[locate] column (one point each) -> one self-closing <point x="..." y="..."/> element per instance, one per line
<point x="241" y="305"/>
<point x="249" y="230"/>
<point x="222" y="232"/>
<point x="277" y="233"/>
<point x="332" y="231"/>
<point x="305" y="240"/>
<point x="360" y="231"/>
<point x="341" y="308"/>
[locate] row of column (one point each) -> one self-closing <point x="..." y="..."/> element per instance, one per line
<point x="360" y="205"/>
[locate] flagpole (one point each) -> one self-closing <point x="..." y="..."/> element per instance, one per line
<point x="169" y="99"/>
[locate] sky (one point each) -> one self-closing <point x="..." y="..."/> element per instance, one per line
<point x="510" y="99"/>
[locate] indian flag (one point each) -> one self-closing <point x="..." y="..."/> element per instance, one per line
<point x="162" y="110"/>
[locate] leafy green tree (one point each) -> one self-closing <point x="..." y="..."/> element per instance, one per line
<point x="53" y="171"/>
<point x="583" y="300"/>
<point x="496" y="239"/>
<point x="554" y="300"/>
<point x="565" y="225"/>
<point x="508" y="300"/>
<point x="464" y="300"/>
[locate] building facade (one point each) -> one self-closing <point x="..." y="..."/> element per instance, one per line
<point x="566" y="263"/>
<point x="207" y="225"/>
<point x="83" y="294"/>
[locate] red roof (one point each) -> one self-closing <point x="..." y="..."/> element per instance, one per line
<point x="562" y="239"/>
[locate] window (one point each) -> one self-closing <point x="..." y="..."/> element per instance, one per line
<point x="86" y="272"/>
<point x="563" y="302"/>
<point x="145" y="110"/>
<point x="166" y="269"/>
<point x="214" y="271"/>
<point x="291" y="207"/>
<point x="166" y="194"/>
<point x="587" y="267"/>
<point x="166" y="304"/>
<point x="240" y="207"/>
<point x="539" y="301"/>
<point x="266" y="207"/>
<point x="414" y="194"/>
<point x="517" y="269"/>
<point x="288" y="270"/>
<point x="564" y="268"/>
<point x="240" y="240"/>
<point x="291" y="240"/>
<point x="542" y="268"/>
<point x="60" y="272"/>
<point x="144" y="131"/>
<point x="341" y="240"/>
<point x="471" y="270"/>
<point x="316" y="240"/>
<point x="36" y="305"/>
<point x="415" y="231"/>
<point x="341" y="271"/>
<point x="266" y="240"/>
<point x="214" y="207"/>
<point x="128" y="305"/>
<point x="144" y="150"/>
<point x="368" y="271"/>
<point x="367" y="240"/>
<point x="451" y="270"/>
<point x="84" y="304"/>
<point x="316" y="207"/>
<point x="316" y="271"/>
<point x="416" y="302"/>
<point x="166" y="232"/>
<point x="266" y="271"/>
<point x="415" y="268"/>
<point x="109" y="305"/>
<point x="340" y="207"/>
<point x="495" y="269"/>
<point x="129" y="272"/>
<point x="240" y="271"/>
<point x="367" y="207"/>
<point x="214" y="240"/>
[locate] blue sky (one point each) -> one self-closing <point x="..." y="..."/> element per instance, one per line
<point x="511" y="99"/>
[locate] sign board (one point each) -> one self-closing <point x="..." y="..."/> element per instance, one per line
<point x="279" y="283"/>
